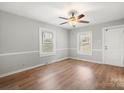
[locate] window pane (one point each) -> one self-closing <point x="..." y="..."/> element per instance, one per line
<point x="85" y="43"/>
<point x="47" y="47"/>
<point x="47" y="37"/>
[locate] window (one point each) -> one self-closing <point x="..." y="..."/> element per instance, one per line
<point x="85" y="43"/>
<point x="47" y="42"/>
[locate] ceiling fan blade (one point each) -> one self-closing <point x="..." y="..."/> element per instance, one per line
<point x="81" y="21"/>
<point x="63" y="18"/>
<point x="63" y="23"/>
<point x="80" y="16"/>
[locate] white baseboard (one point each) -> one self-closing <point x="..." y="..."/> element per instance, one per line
<point x="28" y="68"/>
<point x="93" y="61"/>
<point x="59" y="59"/>
<point x="21" y="70"/>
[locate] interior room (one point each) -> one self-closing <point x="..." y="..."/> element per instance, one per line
<point x="61" y="45"/>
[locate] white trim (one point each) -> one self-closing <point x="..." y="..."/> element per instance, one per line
<point x="59" y="60"/>
<point x="93" y="61"/>
<point x="112" y="27"/>
<point x="27" y="52"/>
<point x="28" y="68"/>
<point x="92" y="49"/>
<point x="72" y="48"/>
<point x="59" y="49"/>
<point x="123" y="48"/>
<point x="47" y="55"/>
<point x="103" y="39"/>
<point x="18" y="53"/>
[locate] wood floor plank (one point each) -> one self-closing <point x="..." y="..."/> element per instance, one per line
<point x="65" y="75"/>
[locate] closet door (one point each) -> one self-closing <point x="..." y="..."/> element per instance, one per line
<point x="114" y="46"/>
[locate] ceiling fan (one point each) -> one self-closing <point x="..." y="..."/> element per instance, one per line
<point x="73" y="20"/>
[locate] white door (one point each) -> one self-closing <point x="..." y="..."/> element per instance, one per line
<point x="113" y="46"/>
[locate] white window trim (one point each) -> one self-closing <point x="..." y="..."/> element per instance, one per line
<point x="40" y="42"/>
<point x="81" y="53"/>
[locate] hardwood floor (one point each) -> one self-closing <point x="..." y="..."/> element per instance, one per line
<point x="67" y="75"/>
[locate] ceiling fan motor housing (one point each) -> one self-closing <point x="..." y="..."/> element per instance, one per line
<point x="73" y="12"/>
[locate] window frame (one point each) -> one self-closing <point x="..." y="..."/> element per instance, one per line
<point x="78" y="43"/>
<point x="43" y="54"/>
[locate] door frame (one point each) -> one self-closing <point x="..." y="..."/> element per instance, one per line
<point x="103" y="40"/>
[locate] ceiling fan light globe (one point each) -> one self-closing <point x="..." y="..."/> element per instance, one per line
<point x="72" y="22"/>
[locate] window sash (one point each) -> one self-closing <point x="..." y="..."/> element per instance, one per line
<point x="48" y="37"/>
<point x="47" y="48"/>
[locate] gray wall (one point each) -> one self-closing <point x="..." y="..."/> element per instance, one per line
<point x="19" y="42"/>
<point x="19" y="34"/>
<point x="97" y="40"/>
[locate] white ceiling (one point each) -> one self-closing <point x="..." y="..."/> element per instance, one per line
<point x="50" y="11"/>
